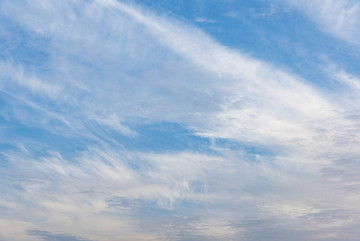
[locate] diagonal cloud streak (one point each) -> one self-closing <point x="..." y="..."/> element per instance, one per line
<point x="339" y="18"/>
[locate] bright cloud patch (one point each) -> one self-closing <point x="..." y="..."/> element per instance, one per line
<point x="340" y="18"/>
<point x="123" y="121"/>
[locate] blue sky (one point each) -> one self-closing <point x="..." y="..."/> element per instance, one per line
<point x="179" y="120"/>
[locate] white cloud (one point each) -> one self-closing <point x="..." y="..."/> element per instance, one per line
<point x="350" y="80"/>
<point x="339" y="18"/>
<point x="99" y="195"/>
<point x="116" y="63"/>
<point x="75" y="195"/>
<point x="230" y="95"/>
<point x="15" y="230"/>
<point x="261" y="103"/>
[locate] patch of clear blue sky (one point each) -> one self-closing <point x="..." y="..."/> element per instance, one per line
<point x="267" y="30"/>
<point x="38" y="140"/>
<point x="164" y="136"/>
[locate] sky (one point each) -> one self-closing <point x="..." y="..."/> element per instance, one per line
<point x="179" y="120"/>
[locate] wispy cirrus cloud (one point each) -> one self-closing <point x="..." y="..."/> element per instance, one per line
<point x="280" y="154"/>
<point x="339" y="18"/>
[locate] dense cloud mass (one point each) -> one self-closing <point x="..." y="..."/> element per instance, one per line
<point x="151" y="120"/>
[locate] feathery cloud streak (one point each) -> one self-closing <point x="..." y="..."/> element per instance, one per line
<point x="339" y="18"/>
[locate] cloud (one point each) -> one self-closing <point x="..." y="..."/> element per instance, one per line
<point x="102" y="194"/>
<point x="244" y="80"/>
<point x="75" y="194"/>
<point x="339" y="18"/>
<point x="12" y="229"/>
<point x="281" y="154"/>
<point x="204" y="20"/>
<point x="350" y="80"/>
<point x="251" y="87"/>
